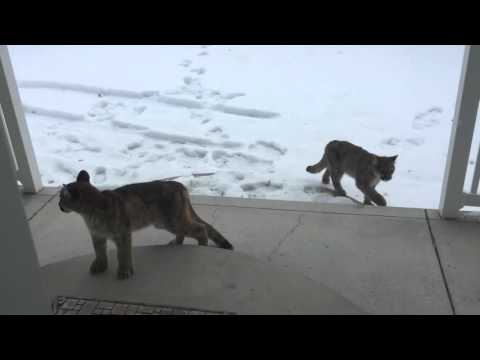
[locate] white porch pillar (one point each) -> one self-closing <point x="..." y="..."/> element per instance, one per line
<point x="21" y="288"/>
<point x="11" y="104"/>
<point x="452" y="197"/>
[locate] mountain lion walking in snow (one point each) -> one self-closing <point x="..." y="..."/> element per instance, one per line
<point x="115" y="214"/>
<point x="366" y="168"/>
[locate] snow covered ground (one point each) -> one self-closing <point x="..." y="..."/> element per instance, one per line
<point x="239" y="121"/>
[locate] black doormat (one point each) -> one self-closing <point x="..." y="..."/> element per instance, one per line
<point x="66" y="305"/>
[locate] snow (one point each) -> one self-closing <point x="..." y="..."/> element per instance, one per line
<point x="240" y="121"/>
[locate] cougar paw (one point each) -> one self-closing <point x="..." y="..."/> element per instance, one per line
<point x="98" y="266"/>
<point x="124" y="273"/>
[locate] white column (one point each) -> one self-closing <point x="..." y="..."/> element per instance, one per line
<point x="21" y="288"/>
<point x="462" y="133"/>
<point x="28" y="172"/>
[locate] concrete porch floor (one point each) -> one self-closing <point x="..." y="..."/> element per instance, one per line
<point x="384" y="261"/>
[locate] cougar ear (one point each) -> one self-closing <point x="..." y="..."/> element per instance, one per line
<point x="393" y="158"/>
<point x="83" y="176"/>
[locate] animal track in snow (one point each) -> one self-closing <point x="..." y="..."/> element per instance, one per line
<point x="187" y="80"/>
<point x="416" y="141"/>
<point x="94" y="149"/>
<point x="66" y="168"/>
<point x="134" y="145"/>
<point x="106" y="110"/>
<point x="199" y="71"/>
<point x="181" y="139"/>
<point x="192" y="153"/>
<point x="52" y="113"/>
<point x="391" y="141"/>
<point x="124" y="125"/>
<point x="269" y="145"/>
<point x="153" y="158"/>
<point x="139" y="109"/>
<point x="230" y="96"/>
<point x="72" y="139"/>
<point x="238" y="176"/>
<point x="186" y="63"/>
<point x="268" y="185"/>
<point x="216" y="129"/>
<point x="426" y="119"/>
<point x="222" y="158"/>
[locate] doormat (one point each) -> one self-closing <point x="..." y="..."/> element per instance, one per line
<point x="66" y="305"/>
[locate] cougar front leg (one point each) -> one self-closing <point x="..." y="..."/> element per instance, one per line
<point x="100" y="264"/>
<point x="124" y="256"/>
<point x="372" y="195"/>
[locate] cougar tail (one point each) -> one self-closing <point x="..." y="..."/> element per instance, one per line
<point x="212" y="233"/>
<point x="217" y="238"/>
<point x="322" y="164"/>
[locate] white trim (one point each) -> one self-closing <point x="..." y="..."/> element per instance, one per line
<point x="28" y="172"/>
<point x="462" y="133"/>
<point x="6" y="135"/>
